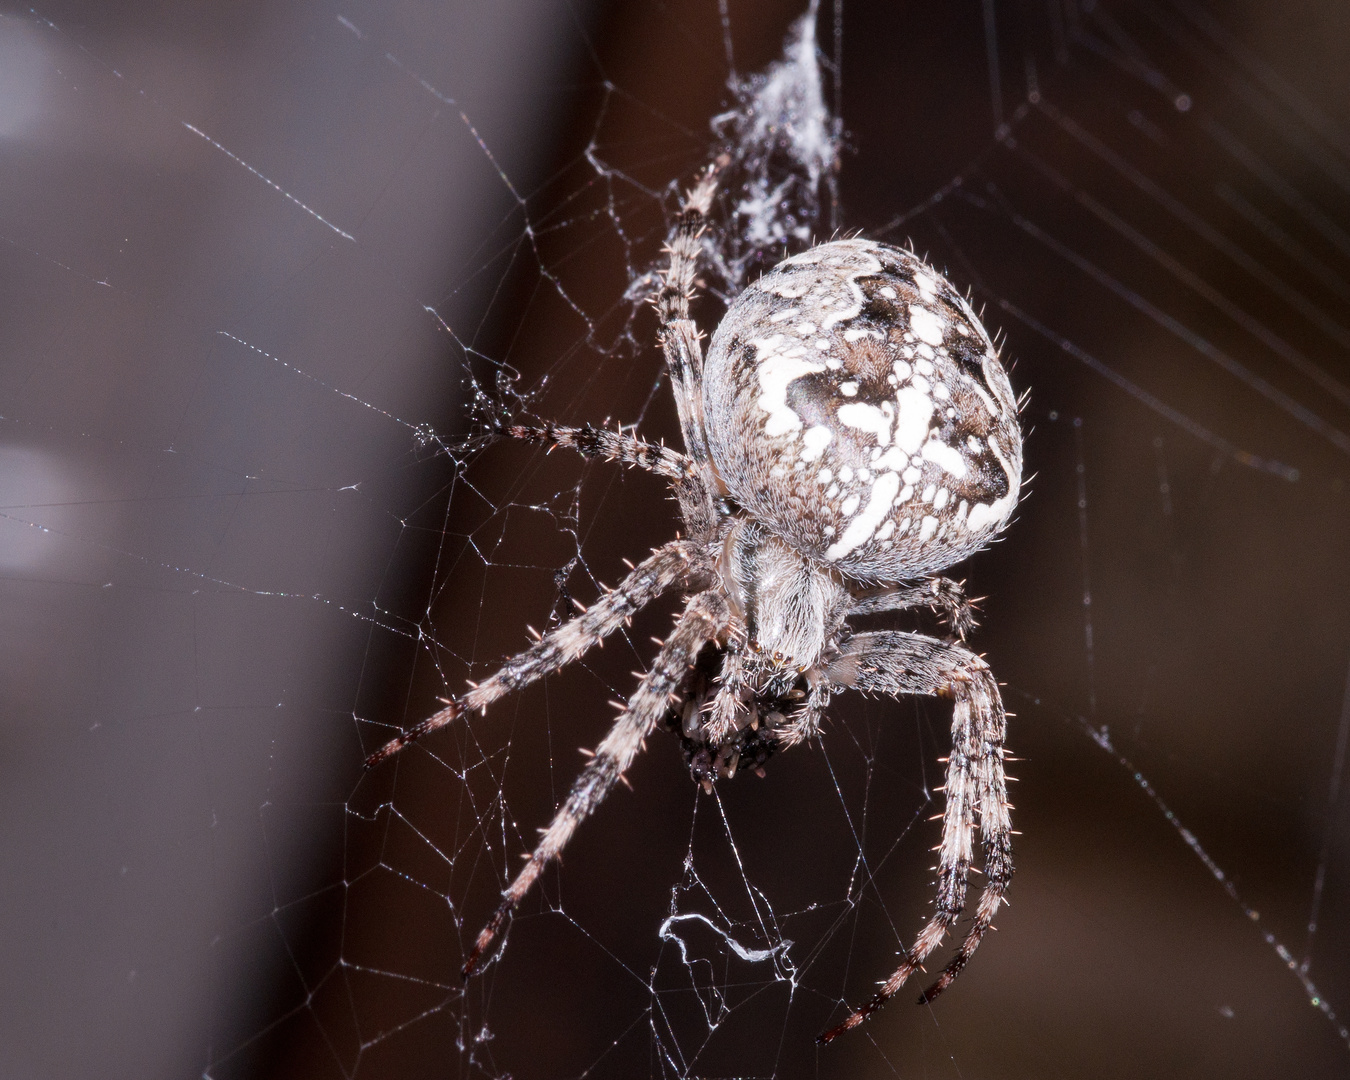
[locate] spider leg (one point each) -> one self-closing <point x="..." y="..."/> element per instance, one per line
<point x="684" y="356"/>
<point x="595" y="442"/>
<point x="940" y="593"/>
<point x="804" y="721"/>
<point x="679" y="334"/>
<point x="668" y="565"/>
<point x="895" y="663"/>
<point x="728" y="702"/>
<point x="706" y="618"/>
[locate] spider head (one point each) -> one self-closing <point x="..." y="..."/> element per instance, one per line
<point x="790" y="605"/>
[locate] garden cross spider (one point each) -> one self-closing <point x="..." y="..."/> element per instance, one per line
<point x="850" y="434"/>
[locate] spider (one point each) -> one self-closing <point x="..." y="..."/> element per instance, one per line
<point x="850" y="434"/>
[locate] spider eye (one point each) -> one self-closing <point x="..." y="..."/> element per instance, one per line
<point x="855" y="404"/>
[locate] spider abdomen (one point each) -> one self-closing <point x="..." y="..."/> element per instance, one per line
<point x="855" y="405"/>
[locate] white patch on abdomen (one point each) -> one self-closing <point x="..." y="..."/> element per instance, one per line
<point x="865" y="417"/>
<point x="916" y="413"/>
<point x="861" y="528"/>
<point x="950" y="459"/>
<point x="925" y="325"/>
<point x="776" y="371"/>
<point x="1014" y="481"/>
<point x="983" y="515"/>
<point x="815" y="440"/>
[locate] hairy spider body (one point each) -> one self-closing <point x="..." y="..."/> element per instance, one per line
<point x="851" y="434"/>
<point x="883" y="431"/>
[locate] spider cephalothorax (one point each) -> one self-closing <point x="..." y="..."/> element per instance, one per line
<point x="851" y="434"/>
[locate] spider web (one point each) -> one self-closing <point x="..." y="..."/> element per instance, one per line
<point x="273" y="276"/>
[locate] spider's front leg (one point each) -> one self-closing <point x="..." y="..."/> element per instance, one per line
<point x="684" y="356"/>
<point x="803" y="722"/>
<point x="728" y="702"/>
<point x="593" y="442"/>
<point x="669" y="565"/>
<point x="706" y="618"/>
<point x="895" y="663"/>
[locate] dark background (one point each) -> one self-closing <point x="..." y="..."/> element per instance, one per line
<point x="225" y="581"/>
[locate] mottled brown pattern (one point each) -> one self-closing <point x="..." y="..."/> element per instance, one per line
<point x="834" y="343"/>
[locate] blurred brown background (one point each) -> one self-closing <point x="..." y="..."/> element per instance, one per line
<point x="217" y="568"/>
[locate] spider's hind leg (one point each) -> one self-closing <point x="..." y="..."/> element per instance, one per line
<point x="894" y="663"/>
